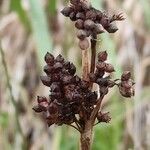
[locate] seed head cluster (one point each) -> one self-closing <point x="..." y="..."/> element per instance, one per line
<point x="90" y="21"/>
<point x="69" y="94"/>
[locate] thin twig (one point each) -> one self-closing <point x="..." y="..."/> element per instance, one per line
<point x="74" y="127"/>
<point x="10" y="91"/>
<point x="96" y="109"/>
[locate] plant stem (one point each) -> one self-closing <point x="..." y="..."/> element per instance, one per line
<point x="86" y="136"/>
<point x="85" y="65"/>
<point x="11" y="94"/>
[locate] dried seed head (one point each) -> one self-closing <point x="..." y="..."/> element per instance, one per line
<point x="46" y="80"/>
<point x="80" y="15"/>
<point x="99" y="29"/>
<point x="109" y="68"/>
<point x="59" y="58"/>
<point x="100" y="66"/>
<point x="102" y="56"/>
<point x="73" y="16"/>
<point x="126" y="76"/>
<point x="79" y="24"/>
<point x="89" y="24"/>
<point x="49" y="58"/>
<point x="84" y="44"/>
<point x="91" y="15"/>
<point x="74" y="2"/>
<point x="67" y="11"/>
<point x="112" y="28"/>
<point x="103" y="117"/>
<point x="81" y="34"/>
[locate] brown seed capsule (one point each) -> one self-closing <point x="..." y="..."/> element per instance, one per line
<point x="109" y="68"/>
<point x="58" y="66"/>
<point x="103" y="117"/>
<point x="101" y="66"/>
<point x="89" y="24"/>
<point x="92" y="77"/>
<point x="84" y="44"/>
<point x="41" y="99"/>
<point x="81" y="34"/>
<point x="46" y="80"/>
<point x="102" y="56"/>
<point x="105" y="21"/>
<point x="79" y="24"/>
<point x="98" y="16"/>
<point x="112" y="28"/>
<point x="91" y="15"/>
<point x="73" y="16"/>
<point x="126" y="76"/>
<point x="74" y="2"/>
<point x="49" y="58"/>
<point x="59" y="58"/>
<point x="67" y="11"/>
<point x="48" y="69"/>
<point x="99" y="29"/>
<point x="80" y="15"/>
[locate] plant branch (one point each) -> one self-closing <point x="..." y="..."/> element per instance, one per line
<point x="96" y="109"/>
<point x="74" y="127"/>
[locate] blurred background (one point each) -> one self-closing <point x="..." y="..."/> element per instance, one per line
<point x="30" y="28"/>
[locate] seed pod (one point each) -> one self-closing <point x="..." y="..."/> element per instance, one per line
<point x="91" y="15"/>
<point x="80" y="15"/>
<point x="55" y="87"/>
<point x="102" y="82"/>
<point x="102" y="56"/>
<point x="112" y="28"/>
<point x="48" y="69"/>
<point x="101" y="66"/>
<point x="105" y="22"/>
<point x="73" y="16"/>
<point x="81" y="34"/>
<point x="79" y="24"/>
<point x="59" y="58"/>
<point x="49" y="58"/>
<point x="53" y="108"/>
<point x="67" y="80"/>
<point x="89" y="24"/>
<point x="84" y="44"/>
<point x="103" y="117"/>
<point x="84" y="84"/>
<point x="92" y="77"/>
<point x="67" y="11"/>
<point x="99" y="29"/>
<point x="41" y="99"/>
<point x="37" y="109"/>
<point x="46" y="80"/>
<point x="58" y="66"/>
<point x="99" y="73"/>
<point x="126" y="76"/>
<point x="109" y="68"/>
<point x="74" y="2"/>
<point x="98" y="16"/>
<point x="72" y="69"/>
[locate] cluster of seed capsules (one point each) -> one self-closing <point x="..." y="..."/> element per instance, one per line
<point x="102" y="77"/>
<point x="69" y="95"/>
<point x="89" y="21"/>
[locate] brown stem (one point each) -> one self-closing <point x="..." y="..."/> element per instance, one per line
<point x="96" y="109"/>
<point x="86" y="137"/>
<point x="93" y="53"/>
<point x="85" y="65"/>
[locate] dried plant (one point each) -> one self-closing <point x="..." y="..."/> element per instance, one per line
<point x="72" y="100"/>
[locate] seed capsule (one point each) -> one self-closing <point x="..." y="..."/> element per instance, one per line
<point x="67" y="11"/>
<point x="81" y="34"/>
<point x="100" y="66"/>
<point x="84" y="44"/>
<point x="109" y="68"/>
<point x="89" y="24"/>
<point x="80" y="16"/>
<point x="46" y="80"/>
<point x="126" y="76"/>
<point x="79" y="24"/>
<point x="49" y="58"/>
<point x="73" y="16"/>
<point x="99" y="29"/>
<point x="91" y="15"/>
<point x="112" y="28"/>
<point x="102" y="56"/>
